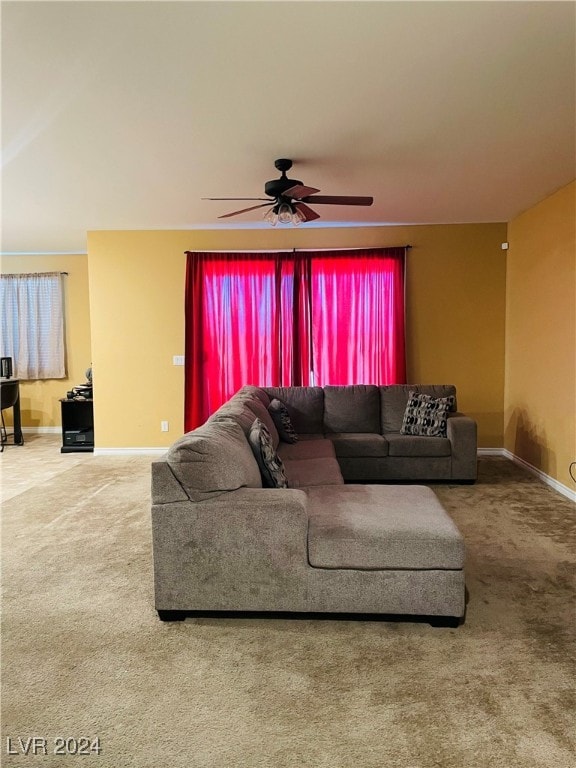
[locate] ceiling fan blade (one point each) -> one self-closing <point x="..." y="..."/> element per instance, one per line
<point x="308" y="213"/>
<point x="298" y="191"/>
<point x="236" y="198"/>
<point x="245" y="210"/>
<point x="339" y="200"/>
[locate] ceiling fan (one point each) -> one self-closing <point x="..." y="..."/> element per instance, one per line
<point x="288" y="199"/>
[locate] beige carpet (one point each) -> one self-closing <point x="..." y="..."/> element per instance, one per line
<point x="84" y="654"/>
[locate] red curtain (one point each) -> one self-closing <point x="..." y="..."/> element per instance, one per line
<point x="291" y="319"/>
<point x="358" y="317"/>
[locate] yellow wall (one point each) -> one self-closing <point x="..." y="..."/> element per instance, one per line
<point x="540" y="388"/>
<point x="455" y="317"/>
<point x="39" y="400"/>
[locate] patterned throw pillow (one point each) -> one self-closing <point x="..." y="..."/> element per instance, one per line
<point x="282" y="420"/>
<point x="426" y="415"/>
<point x="271" y="467"/>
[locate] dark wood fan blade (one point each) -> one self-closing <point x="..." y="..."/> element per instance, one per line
<point x="236" y="198"/>
<point x="245" y="210"/>
<point x="308" y="213"/>
<point x="298" y="191"/>
<point x="339" y="200"/>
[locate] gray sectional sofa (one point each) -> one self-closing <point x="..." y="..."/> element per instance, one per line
<point x="341" y="538"/>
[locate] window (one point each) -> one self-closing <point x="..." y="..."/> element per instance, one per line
<point x="290" y="319"/>
<point x="33" y="324"/>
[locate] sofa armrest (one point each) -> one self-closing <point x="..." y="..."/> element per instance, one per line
<point x="243" y="550"/>
<point x="461" y="430"/>
<point x="164" y="487"/>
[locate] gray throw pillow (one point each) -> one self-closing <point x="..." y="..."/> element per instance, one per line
<point x="425" y="415"/>
<point x="282" y="421"/>
<point x="271" y="467"/>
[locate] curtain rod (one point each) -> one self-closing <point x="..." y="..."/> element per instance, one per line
<point x="32" y="274"/>
<point x="357" y="248"/>
<point x="298" y="250"/>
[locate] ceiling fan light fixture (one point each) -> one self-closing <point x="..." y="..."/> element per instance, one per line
<point x="285" y="213"/>
<point x="297" y="218"/>
<point x="271" y="216"/>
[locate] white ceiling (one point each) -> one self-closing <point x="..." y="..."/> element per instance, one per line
<point x="123" y="115"/>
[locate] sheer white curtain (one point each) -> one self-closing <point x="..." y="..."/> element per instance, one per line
<point x="33" y="324"/>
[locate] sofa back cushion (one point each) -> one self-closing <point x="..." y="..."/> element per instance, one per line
<point x="213" y="459"/>
<point x="394" y="399"/>
<point x="305" y="406"/>
<point x="236" y="411"/>
<point x="258" y="392"/>
<point x="353" y="408"/>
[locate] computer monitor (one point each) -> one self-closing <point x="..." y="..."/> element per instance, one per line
<point x="6" y="367"/>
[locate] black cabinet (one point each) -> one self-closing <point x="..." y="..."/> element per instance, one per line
<point x="77" y="426"/>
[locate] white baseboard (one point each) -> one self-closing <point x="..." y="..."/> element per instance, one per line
<point x="129" y="451"/>
<point x="97" y="451"/>
<point x="550" y="481"/>
<point x="555" y="484"/>
<point x="41" y="430"/>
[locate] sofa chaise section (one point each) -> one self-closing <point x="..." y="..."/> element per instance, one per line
<point x="338" y="549"/>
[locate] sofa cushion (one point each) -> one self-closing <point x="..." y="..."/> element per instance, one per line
<point x="409" y="445"/>
<point x="305" y="406"/>
<point x="236" y="411"/>
<point x="213" y="459"/>
<point x="306" y="473"/>
<point x="321" y="448"/>
<point x="271" y="466"/>
<point x="354" y="408"/>
<point x="361" y="445"/>
<point x="426" y="415"/>
<point x="257" y="392"/>
<point x="282" y="421"/>
<point x="370" y="527"/>
<point x="394" y="398"/>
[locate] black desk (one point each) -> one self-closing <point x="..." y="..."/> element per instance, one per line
<point x="77" y="426"/>
<point x="10" y="397"/>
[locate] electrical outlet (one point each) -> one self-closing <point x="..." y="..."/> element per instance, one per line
<point x="178" y="360"/>
<point x="164" y="426"/>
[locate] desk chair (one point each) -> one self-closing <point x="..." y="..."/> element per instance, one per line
<point x="9" y="391"/>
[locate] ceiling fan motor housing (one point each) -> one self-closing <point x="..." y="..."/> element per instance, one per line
<point x="277" y="187"/>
